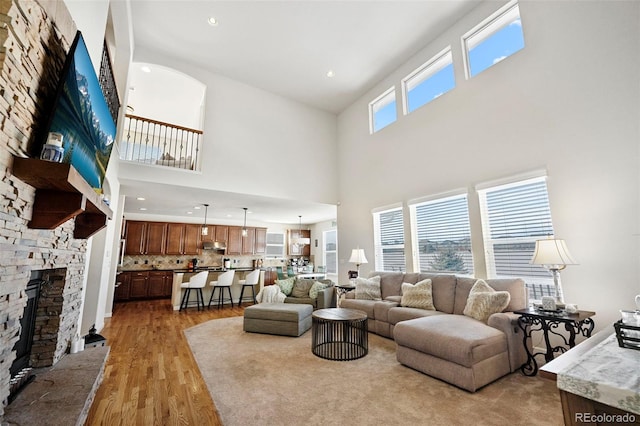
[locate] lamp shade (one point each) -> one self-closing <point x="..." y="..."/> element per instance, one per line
<point x="552" y="253"/>
<point x="358" y="257"/>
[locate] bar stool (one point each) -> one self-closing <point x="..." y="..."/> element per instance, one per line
<point x="224" y="282"/>
<point x="251" y="279"/>
<point x="196" y="282"/>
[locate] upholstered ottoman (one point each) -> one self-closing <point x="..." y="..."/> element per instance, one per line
<point x="454" y="348"/>
<point x="285" y="319"/>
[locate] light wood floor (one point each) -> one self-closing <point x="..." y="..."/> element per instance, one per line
<point x="151" y="377"/>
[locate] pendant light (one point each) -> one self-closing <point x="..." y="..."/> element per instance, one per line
<point x="299" y="240"/>
<point x="244" y="228"/>
<point x="205" y="228"/>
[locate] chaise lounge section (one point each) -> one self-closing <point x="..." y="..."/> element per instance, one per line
<point x="444" y="342"/>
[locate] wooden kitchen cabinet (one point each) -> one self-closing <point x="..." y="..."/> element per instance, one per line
<point x="139" y="285"/>
<point x="234" y="241"/>
<point x="248" y="241"/>
<point x="158" y="284"/>
<point x="135" y="237"/>
<point x="121" y="292"/>
<point x="222" y="233"/>
<point x="156" y="238"/>
<point x="175" y="238"/>
<point x="260" y="245"/>
<point x="192" y="239"/>
<point x="145" y="238"/>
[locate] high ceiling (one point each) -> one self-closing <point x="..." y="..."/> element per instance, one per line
<point x="287" y="48"/>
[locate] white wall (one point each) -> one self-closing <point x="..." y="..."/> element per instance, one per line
<point x="568" y="103"/>
<point x="255" y="142"/>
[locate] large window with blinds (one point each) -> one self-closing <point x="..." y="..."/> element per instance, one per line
<point x="388" y="231"/>
<point x="441" y="235"/>
<point x="514" y="216"/>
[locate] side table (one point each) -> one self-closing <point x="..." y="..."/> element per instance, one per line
<point x="342" y="289"/>
<point x="532" y="320"/>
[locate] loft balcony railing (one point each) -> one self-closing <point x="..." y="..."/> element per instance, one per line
<point x="154" y="142"/>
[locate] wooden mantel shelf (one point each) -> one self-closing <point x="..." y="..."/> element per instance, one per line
<point x="62" y="194"/>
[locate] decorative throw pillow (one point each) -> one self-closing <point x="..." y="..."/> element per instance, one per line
<point x="315" y="289"/>
<point x="368" y="288"/>
<point x="418" y="295"/>
<point x="301" y="288"/>
<point x="484" y="301"/>
<point x="286" y="285"/>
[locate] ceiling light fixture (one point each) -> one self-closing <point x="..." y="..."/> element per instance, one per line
<point x="212" y="21"/>
<point x="331" y="74"/>
<point x="244" y="228"/>
<point x="145" y="68"/>
<point x="140" y="198"/>
<point x="299" y="240"/>
<point x="143" y="208"/>
<point x="205" y="228"/>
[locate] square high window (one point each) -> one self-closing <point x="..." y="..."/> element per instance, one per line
<point x="382" y="110"/>
<point x="429" y="81"/>
<point x="493" y="40"/>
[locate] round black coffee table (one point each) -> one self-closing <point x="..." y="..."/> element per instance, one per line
<point x="339" y="334"/>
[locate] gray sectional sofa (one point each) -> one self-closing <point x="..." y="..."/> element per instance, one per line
<point x="445" y="343"/>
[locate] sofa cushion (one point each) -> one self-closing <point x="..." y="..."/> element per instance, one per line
<point x="368" y="288"/>
<point x="301" y="301"/>
<point x="417" y="295"/>
<point x="456" y="338"/>
<point x="301" y="288"/>
<point x="315" y="288"/>
<point x="362" y="305"/>
<point x="396" y="315"/>
<point x="515" y="287"/>
<point x="390" y="283"/>
<point x="381" y="310"/>
<point x="484" y="301"/>
<point x="286" y="285"/>
<point x="443" y="289"/>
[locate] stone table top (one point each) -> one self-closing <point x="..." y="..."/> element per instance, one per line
<point x="608" y="374"/>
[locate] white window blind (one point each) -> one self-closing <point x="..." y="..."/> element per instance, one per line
<point x="389" y="240"/>
<point x="442" y="235"/>
<point x="514" y="216"/>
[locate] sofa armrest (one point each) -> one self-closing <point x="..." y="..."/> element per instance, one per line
<point x="327" y="298"/>
<point x="507" y="322"/>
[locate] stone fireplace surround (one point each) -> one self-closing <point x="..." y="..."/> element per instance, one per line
<point x="34" y="39"/>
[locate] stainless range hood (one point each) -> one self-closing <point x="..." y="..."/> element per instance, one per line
<point x="216" y="245"/>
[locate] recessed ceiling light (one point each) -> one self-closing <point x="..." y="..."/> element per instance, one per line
<point x="189" y="212"/>
<point x="331" y="74"/>
<point x="212" y="21"/>
<point x="140" y="198"/>
<point x="196" y="207"/>
<point x="145" y="69"/>
<point x="143" y="208"/>
<point x="228" y="215"/>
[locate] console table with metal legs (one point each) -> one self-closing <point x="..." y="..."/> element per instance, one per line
<point x="551" y="324"/>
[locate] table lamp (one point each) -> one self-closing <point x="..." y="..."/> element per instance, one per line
<point x="358" y="257"/>
<point x="553" y="254"/>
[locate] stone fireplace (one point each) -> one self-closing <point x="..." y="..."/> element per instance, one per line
<point x="32" y="52"/>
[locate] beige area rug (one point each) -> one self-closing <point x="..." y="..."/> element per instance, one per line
<point x="259" y="379"/>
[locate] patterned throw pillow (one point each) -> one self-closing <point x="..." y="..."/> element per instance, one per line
<point x="368" y="288"/>
<point x="286" y="285"/>
<point x="418" y="295"/>
<point x="484" y="301"/>
<point x="301" y="288"/>
<point x="315" y="289"/>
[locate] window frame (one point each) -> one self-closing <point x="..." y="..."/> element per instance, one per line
<point x="325" y="251"/>
<point x="377" y="236"/>
<point x="540" y="276"/>
<point x="427" y="70"/>
<point x="415" y="204"/>
<point x="491" y="25"/>
<point x="377" y="104"/>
